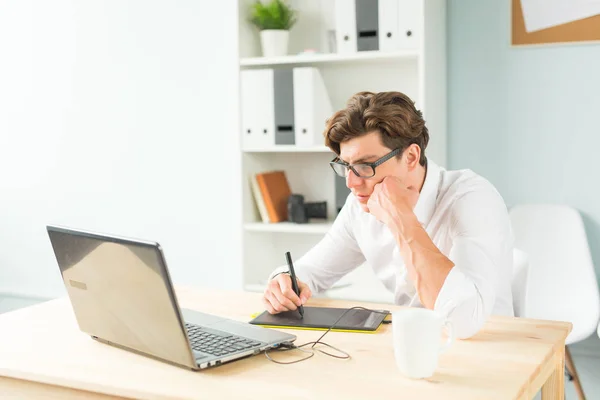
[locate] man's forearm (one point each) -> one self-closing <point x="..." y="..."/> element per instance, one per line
<point x="427" y="266"/>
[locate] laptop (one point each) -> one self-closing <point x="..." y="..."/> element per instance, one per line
<point x="122" y="295"/>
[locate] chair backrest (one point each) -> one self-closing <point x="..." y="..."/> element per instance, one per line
<point x="520" y="279"/>
<point x="562" y="281"/>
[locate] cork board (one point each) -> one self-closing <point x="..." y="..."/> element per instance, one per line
<point x="583" y="30"/>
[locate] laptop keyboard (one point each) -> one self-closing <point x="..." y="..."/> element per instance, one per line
<point x="217" y="343"/>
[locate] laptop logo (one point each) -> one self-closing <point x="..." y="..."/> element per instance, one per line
<point x="78" y="285"/>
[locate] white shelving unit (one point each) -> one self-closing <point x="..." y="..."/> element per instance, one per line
<point x="420" y="73"/>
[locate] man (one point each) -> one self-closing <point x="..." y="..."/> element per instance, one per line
<point x="437" y="239"/>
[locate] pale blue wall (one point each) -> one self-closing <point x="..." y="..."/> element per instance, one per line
<point x="528" y="119"/>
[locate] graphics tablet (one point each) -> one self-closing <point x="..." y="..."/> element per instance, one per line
<point x="323" y="318"/>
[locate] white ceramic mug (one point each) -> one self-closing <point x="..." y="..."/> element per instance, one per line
<point x="417" y="340"/>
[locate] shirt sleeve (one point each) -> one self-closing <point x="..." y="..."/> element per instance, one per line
<point x="481" y="243"/>
<point x="332" y="257"/>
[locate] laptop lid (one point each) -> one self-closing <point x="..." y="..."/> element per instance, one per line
<point x="121" y="292"/>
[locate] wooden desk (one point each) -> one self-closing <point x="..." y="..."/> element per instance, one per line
<point x="43" y="354"/>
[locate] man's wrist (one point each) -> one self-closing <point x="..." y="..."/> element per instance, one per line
<point x="402" y="224"/>
<point x="279" y="273"/>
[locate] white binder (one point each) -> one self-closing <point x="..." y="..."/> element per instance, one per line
<point x="258" y="112"/>
<point x="345" y="26"/>
<point x="410" y="24"/>
<point x="312" y="107"/>
<point x="389" y="35"/>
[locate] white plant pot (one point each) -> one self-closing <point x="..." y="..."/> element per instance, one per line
<point x="274" y="42"/>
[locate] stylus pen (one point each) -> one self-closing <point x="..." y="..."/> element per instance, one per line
<point x="288" y="258"/>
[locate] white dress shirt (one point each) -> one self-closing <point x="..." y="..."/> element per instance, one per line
<point x="466" y="219"/>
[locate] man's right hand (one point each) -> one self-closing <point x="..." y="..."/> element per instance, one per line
<point x="279" y="295"/>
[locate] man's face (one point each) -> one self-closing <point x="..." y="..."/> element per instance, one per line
<point x="367" y="149"/>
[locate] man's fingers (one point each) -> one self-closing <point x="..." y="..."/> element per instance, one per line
<point x="277" y="306"/>
<point x="273" y="296"/>
<point x="285" y="286"/>
<point x="305" y="292"/>
<point x="268" y="306"/>
<point x="280" y="294"/>
<point x="286" y="301"/>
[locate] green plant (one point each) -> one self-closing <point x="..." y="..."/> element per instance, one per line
<point x="275" y="14"/>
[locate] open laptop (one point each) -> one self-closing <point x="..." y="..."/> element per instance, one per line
<point x="122" y="295"/>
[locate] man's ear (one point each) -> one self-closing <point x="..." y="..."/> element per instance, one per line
<point x="412" y="155"/>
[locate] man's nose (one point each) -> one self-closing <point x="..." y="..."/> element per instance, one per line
<point x="352" y="180"/>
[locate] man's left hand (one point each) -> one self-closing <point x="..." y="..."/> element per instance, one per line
<point x="390" y="198"/>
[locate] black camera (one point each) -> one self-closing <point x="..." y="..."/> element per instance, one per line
<point x="299" y="211"/>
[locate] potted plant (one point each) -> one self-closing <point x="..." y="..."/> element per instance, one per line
<point x="274" y="19"/>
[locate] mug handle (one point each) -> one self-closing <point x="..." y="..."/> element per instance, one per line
<point x="450" y="340"/>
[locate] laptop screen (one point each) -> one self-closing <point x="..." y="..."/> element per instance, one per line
<point x="121" y="292"/>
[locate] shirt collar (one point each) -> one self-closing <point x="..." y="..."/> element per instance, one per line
<point x="427" y="198"/>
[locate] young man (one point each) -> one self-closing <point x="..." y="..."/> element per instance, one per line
<point x="437" y="239"/>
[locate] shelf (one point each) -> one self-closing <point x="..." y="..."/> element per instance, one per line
<point x="289" y="149"/>
<point x="289" y="227"/>
<point x="306" y="59"/>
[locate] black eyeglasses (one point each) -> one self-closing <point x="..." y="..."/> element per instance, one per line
<point x="362" y="170"/>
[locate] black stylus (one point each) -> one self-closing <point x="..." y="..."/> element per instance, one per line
<point x="288" y="258"/>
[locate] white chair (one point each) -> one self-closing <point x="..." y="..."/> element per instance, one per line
<point x="520" y="278"/>
<point x="562" y="283"/>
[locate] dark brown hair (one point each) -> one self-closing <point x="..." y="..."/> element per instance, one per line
<point x="392" y="114"/>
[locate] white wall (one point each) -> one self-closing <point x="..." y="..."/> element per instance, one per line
<point x="524" y="117"/>
<point x="119" y="116"/>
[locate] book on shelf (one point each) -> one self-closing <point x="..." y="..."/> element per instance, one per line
<point x="258" y="199"/>
<point x="271" y="191"/>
